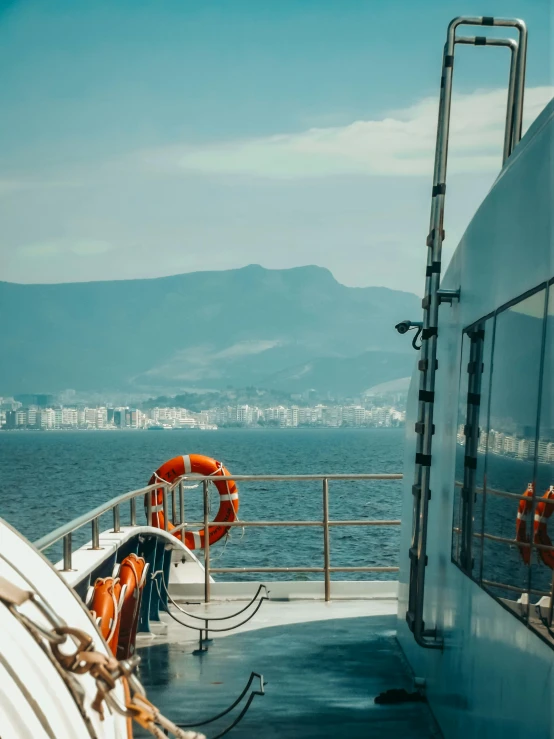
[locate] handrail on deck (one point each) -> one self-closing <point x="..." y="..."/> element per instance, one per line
<point x="65" y="532"/>
<point x="54" y="536"/>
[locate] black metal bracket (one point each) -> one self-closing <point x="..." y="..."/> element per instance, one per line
<point x="448" y="296"/>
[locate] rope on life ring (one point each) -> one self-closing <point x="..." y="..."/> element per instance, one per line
<point x="523" y="513"/>
<point x="105" y="601"/>
<point x="545" y="508"/>
<point x="196" y="464"/>
<point x="132" y="575"/>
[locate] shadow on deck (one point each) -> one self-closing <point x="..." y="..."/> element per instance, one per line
<point x="322" y="678"/>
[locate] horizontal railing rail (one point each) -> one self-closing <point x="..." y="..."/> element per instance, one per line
<point x="502" y="493"/>
<point x="53" y="537"/>
<point x="176" y="491"/>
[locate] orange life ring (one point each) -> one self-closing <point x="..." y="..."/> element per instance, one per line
<point x="132" y="573"/>
<point x="543" y="512"/>
<point x="105" y="604"/>
<point x="523" y="512"/>
<point x="200" y="465"/>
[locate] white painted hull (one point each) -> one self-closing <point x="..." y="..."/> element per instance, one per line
<point x="35" y="702"/>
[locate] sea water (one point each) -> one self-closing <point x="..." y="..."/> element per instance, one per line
<point x="49" y="478"/>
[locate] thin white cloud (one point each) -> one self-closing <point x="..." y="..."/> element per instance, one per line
<point x="400" y="144"/>
<point x="79" y="247"/>
<point x="10" y="186"/>
<point x="7" y="187"/>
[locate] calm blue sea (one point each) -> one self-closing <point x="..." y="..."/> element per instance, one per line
<point x="48" y="478"/>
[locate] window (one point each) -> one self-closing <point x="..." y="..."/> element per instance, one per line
<point x="472" y="443"/>
<point x="505" y="446"/>
<point x="542" y="576"/>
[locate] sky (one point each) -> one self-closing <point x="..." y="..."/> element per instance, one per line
<point x="141" y="139"/>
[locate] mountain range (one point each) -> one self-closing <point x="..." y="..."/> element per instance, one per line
<point x="290" y="329"/>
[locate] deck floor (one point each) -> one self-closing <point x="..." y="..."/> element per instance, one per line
<point x="322" y="674"/>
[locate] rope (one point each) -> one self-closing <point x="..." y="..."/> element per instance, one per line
<point x="215" y="473"/>
<point x="220" y="554"/>
<point x="228" y="534"/>
<point x="150" y="714"/>
<point x="106" y="670"/>
<point x="115" y="612"/>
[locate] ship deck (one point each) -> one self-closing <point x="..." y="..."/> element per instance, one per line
<point x="324" y="663"/>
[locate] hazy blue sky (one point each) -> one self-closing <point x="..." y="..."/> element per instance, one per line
<point x="149" y="138"/>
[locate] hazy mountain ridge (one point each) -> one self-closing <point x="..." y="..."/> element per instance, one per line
<point x="203" y="329"/>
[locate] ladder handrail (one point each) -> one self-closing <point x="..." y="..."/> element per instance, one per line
<point x="428" y="363"/>
<point x="510" y="110"/>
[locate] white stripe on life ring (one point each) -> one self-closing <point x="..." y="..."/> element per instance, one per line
<point x="229" y="496"/>
<point x="197" y="539"/>
<point x="187" y="464"/>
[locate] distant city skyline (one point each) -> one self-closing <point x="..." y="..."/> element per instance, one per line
<point x="176" y="417"/>
<point x="167" y="138"/>
<point x="512" y="445"/>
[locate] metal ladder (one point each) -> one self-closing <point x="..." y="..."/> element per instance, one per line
<point x="429" y="637"/>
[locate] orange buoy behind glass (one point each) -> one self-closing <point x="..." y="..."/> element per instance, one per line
<point x="545" y="508"/>
<point x="523" y="513"/>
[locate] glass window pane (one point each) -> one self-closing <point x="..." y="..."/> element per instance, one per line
<point x="482" y="372"/>
<point x="542" y="562"/>
<point x="471" y="446"/>
<point x="511" y="442"/>
<point x="460" y="451"/>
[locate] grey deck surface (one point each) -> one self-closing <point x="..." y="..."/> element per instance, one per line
<point x="322" y="677"/>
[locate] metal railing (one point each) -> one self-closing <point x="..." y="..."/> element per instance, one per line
<point x="531" y="545"/>
<point x="173" y="498"/>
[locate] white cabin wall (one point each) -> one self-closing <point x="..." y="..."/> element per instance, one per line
<point x="494" y="677"/>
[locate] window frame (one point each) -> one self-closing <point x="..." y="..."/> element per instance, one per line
<point x="465" y="502"/>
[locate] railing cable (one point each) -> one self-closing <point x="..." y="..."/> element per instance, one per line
<point x="235" y="703"/>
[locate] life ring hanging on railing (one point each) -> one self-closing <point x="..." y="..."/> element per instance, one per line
<point x="523" y="513"/>
<point x="545" y="508"/>
<point x="196" y="464"/>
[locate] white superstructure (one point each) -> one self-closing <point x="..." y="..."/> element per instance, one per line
<point x="489" y="658"/>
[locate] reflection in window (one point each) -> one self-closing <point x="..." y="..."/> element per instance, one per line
<point x="460" y="450"/>
<point x="472" y="445"/>
<point x="511" y="437"/>
<point x="542" y="561"/>
<point x="505" y="446"/>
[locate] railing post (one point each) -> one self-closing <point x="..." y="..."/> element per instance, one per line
<point x="326" y="552"/>
<point x="96" y="533"/>
<point x="182" y="504"/>
<point x="206" y="541"/>
<point x="149" y="508"/>
<point x="133" y="511"/>
<point x="165" y="508"/>
<point x="116" y="520"/>
<point x="67" y="563"/>
<point x="173" y="507"/>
